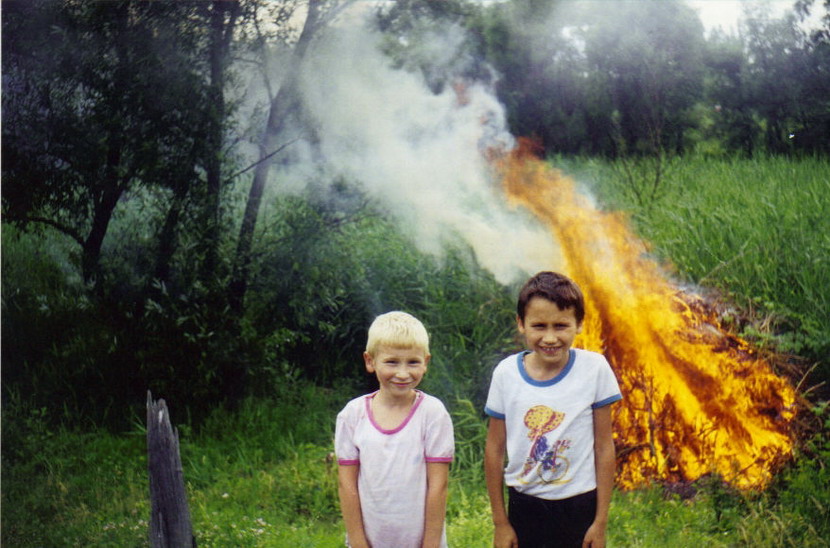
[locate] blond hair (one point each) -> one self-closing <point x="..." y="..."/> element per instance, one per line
<point x="397" y="329"/>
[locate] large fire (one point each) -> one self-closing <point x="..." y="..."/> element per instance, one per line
<point x="696" y="400"/>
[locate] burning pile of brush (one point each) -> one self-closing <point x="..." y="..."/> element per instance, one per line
<point x="697" y="400"/>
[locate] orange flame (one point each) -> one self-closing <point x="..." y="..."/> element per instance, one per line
<point x="696" y="400"/>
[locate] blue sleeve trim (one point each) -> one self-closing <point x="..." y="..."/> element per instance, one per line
<point x="494" y="414"/>
<point x="606" y="401"/>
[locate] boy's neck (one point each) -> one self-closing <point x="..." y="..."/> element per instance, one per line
<point x="540" y="370"/>
<point x="389" y="411"/>
<point x="395" y="401"/>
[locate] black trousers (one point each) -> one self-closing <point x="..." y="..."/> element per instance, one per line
<point x="541" y="523"/>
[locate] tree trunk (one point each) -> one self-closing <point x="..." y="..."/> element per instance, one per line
<point x="282" y="105"/>
<point x="114" y="181"/>
<point x="168" y="236"/>
<point x="104" y="207"/>
<point x="169" y="514"/>
<point x="222" y="22"/>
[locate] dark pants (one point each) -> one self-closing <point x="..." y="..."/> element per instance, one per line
<point x="541" y="523"/>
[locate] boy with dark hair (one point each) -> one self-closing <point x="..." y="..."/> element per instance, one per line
<point x="550" y="413"/>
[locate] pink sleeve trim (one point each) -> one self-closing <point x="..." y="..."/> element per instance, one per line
<point x="438" y="459"/>
<point x="348" y="462"/>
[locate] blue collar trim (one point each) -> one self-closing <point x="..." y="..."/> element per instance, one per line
<point x="520" y="362"/>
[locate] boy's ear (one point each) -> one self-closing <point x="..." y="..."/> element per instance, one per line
<point x="579" y="327"/>
<point x="427" y="357"/>
<point x="520" y="324"/>
<point x="369" y="361"/>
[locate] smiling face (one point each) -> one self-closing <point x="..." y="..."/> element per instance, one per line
<point x="399" y="370"/>
<point x="549" y="333"/>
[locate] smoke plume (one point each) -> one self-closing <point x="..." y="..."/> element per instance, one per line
<point x="420" y="155"/>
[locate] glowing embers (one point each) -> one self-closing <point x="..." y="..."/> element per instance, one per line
<point x="696" y="399"/>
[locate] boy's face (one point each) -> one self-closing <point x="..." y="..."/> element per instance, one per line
<point x="399" y="370"/>
<point x="549" y="332"/>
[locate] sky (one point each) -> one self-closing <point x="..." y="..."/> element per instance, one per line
<point x="715" y="13"/>
<point x="726" y="13"/>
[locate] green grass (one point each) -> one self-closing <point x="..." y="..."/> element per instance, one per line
<point x="263" y="476"/>
<point x="260" y="475"/>
<point x="71" y="487"/>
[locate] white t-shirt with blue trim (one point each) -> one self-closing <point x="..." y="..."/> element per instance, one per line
<point x="550" y="426"/>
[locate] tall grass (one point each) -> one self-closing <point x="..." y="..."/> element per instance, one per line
<point x="757" y="230"/>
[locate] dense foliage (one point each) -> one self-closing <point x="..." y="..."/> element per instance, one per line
<point x="139" y="252"/>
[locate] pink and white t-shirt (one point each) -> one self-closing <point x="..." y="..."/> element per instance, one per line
<point x="393" y="474"/>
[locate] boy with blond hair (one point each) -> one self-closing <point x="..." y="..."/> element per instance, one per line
<point x="550" y="412"/>
<point x="394" y="446"/>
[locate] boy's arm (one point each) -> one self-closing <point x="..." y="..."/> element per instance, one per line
<point x="503" y="535"/>
<point x="350" y="505"/>
<point x="605" y="462"/>
<point x="436" y="503"/>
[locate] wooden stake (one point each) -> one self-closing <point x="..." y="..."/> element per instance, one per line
<point x="169" y="514"/>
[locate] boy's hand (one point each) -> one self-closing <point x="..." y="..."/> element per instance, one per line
<point x="594" y="537"/>
<point x="505" y="537"/>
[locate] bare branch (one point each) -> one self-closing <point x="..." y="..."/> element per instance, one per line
<point x="262" y="159"/>
<point x="60" y="227"/>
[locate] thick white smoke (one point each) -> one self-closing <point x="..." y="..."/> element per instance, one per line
<point x="417" y="153"/>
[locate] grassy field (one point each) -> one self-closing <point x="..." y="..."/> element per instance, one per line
<point x="262" y="475"/>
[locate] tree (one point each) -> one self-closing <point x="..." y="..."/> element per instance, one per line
<point x="599" y="78"/>
<point x="770" y="84"/>
<point x="734" y="121"/>
<point x="284" y="105"/>
<point x="788" y="81"/>
<point x="410" y="28"/>
<point x="651" y="54"/>
<point x="544" y="79"/>
<point x="222" y="17"/>
<point x="776" y="61"/>
<point x="211" y="57"/>
<point x="117" y="109"/>
<point x="93" y="97"/>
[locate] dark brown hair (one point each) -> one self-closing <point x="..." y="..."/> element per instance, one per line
<point x="556" y="288"/>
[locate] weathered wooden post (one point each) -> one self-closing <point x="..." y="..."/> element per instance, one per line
<point x="169" y="514"/>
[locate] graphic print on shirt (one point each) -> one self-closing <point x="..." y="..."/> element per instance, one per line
<point x="549" y="463"/>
